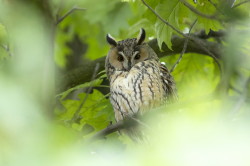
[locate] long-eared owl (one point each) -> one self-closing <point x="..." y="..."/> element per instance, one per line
<point x="138" y="80"/>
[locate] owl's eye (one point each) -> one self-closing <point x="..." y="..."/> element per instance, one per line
<point x="137" y="56"/>
<point x="120" y="58"/>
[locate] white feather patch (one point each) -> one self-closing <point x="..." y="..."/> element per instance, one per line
<point x="111" y="37"/>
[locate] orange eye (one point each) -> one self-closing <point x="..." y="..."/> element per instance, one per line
<point x="120" y="58"/>
<point x="137" y="56"/>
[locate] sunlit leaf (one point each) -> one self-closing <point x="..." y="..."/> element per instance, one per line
<point x="169" y="11"/>
<point x="207" y="8"/>
<point x="95" y="111"/>
<point x="93" y="83"/>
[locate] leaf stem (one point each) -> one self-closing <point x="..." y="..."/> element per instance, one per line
<point x="184" y="48"/>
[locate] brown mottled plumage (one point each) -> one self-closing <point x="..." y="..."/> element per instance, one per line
<point x="138" y="80"/>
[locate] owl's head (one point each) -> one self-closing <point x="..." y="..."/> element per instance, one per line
<point x="123" y="55"/>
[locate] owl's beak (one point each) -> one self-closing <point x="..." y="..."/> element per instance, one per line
<point x="127" y="66"/>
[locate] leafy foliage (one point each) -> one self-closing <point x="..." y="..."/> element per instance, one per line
<point x="214" y="100"/>
<point x="170" y="12"/>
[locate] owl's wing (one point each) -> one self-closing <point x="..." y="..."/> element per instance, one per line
<point x="168" y="84"/>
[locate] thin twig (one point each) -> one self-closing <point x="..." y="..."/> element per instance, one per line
<point x="241" y="3"/>
<point x="60" y="7"/>
<point x="186" y="36"/>
<point x="162" y="19"/>
<point x="87" y="93"/>
<point x="198" y="12"/>
<point x="123" y="124"/>
<point x="108" y="130"/>
<point x="184" y="48"/>
<point x="130" y="122"/>
<point x="59" y="20"/>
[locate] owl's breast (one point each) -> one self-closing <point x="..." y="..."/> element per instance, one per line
<point x="137" y="90"/>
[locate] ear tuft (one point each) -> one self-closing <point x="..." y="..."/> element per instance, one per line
<point x="111" y="40"/>
<point x="141" y="37"/>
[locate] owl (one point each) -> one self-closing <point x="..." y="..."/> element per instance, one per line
<point x="138" y="80"/>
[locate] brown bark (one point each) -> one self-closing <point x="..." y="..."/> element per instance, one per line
<point x="84" y="72"/>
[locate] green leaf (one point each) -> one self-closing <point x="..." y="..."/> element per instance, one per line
<point x="93" y="83"/>
<point x="96" y="111"/>
<point x="61" y="50"/>
<point x="207" y="8"/>
<point x="97" y="10"/>
<point x="195" y="71"/>
<point x="95" y="49"/>
<point x="143" y="23"/>
<point x="120" y="14"/>
<point x="169" y="10"/>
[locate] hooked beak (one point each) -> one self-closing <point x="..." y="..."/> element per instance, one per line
<point x="128" y="66"/>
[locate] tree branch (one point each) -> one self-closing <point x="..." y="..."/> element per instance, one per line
<point x="110" y="129"/>
<point x="200" y="43"/>
<point x="184" y="48"/>
<point x="59" y="20"/>
<point x="211" y="34"/>
<point x="123" y="124"/>
<point x="162" y="19"/>
<point x="241" y="3"/>
<point x="198" y="12"/>
<point x="84" y="73"/>
<point x="136" y="120"/>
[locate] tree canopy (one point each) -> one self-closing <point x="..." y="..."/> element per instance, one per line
<point x="54" y="105"/>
